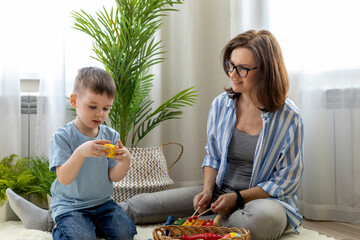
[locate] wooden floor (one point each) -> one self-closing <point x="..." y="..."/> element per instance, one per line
<point x="337" y="230"/>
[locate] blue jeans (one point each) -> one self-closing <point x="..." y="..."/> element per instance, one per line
<point x="107" y="221"/>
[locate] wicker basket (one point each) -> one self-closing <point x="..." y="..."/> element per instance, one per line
<point x="148" y="173"/>
<point x="176" y="232"/>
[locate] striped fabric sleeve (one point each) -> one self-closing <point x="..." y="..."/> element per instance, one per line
<point x="286" y="179"/>
<point x="213" y="152"/>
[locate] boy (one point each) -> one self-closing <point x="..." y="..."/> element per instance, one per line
<point x="82" y="205"/>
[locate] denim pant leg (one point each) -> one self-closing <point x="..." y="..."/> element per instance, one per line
<point x="266" y="219"/>
<point x="157" y="207"/>
<point x="112" y="223"/>
<point x="74" y="225"/>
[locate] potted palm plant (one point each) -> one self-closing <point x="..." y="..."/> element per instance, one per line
<point x="124" y="42"/>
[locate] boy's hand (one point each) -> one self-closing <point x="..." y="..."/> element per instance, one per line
<point x="123" y="157"/>
<point x="121" y="153"/>
<point x="94" y="148"/>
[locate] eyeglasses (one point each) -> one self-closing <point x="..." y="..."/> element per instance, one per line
<point x="240" y="70"/>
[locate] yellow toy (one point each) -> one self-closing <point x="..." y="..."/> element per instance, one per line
<point x="188" y="222"/>
<point x="111" y="152"/>
<point x="232" y="235"/>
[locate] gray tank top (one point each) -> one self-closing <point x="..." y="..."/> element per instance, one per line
<point x="240" y="160"/>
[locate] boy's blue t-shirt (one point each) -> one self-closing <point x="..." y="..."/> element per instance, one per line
<point x="92" y="186"/>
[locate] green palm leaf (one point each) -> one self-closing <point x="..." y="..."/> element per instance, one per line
<point x="124" y="42"/>
<point x="166" y="111"/>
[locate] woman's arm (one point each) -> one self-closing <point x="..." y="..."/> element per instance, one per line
<point x="203" y="199"/>
<point x="209" y="178"/>
<point x="253" y="193"/>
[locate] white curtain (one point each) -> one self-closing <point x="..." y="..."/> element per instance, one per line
<point x="9" y="87"/>
<point x="320" y="42"/>
<point x="332" y="156"/>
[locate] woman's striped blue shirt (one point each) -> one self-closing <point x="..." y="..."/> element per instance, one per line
<point x="278" y="159"/>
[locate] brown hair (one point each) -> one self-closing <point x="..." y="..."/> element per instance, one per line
<point x="96" y="80"/>
<point x="271" y="81"/>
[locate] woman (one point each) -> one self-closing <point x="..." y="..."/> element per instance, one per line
<point x="255" y="141"/>
<point x="254" y="161"/>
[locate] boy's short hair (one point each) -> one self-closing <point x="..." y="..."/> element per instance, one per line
<point x="96" y="80"/>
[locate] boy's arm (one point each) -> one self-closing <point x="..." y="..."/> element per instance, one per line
<point x="122" y="157"/>
<point x="67" y="172"/>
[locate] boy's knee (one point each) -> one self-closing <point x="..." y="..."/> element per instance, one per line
<point x="126" y="230"/>
<point x="122" y="227"/>
<point x="72" y="234"/>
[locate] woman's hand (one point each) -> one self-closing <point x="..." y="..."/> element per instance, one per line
<point x="202" y="200"/>
<point x="225" y="204"/>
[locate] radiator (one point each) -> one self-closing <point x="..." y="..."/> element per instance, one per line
<point x="29" y="91"/>
<point x="343" y="106"/>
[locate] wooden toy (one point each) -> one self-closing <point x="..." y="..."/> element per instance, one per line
<point x="195" y="212"/>
<point x="189" y="222"/>
<point x="194" y="221"/>
<point x="204" y="212"/>
<point x="209" y="222"/>
<point x="231" y="235"/>
<point x="204" y="236"/>
<point x="218" y="221"/>
<point x="199" y="222"/>
<point x="170" y="220"/>
<point x="111" y="151"/>
<point x="179" y="221"/>
<point x="193" y="217"/>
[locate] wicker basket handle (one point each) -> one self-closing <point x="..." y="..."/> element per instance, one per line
<point x="181" y="152"/>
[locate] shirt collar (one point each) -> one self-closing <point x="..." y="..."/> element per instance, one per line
<point x="231" y="102"/>
<point x="266" y="115"/>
